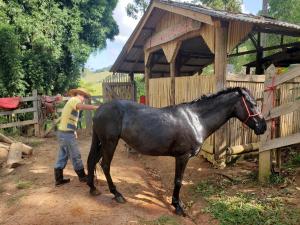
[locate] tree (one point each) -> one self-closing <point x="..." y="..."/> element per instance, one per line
<point x="227" y="5"/>
<point x="11" y="72"/>
<point x="140" y="6"/>
<point x="56" y="37"/>
<point x="137" y="7"/>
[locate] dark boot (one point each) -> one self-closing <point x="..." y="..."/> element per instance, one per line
<point x="59" y="177"/>
<point x="81" y="175"/>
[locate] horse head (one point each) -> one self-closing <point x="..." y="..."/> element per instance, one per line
<point x="247" y="112"/>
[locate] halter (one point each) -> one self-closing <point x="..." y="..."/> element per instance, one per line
<point x="248" y="111"/>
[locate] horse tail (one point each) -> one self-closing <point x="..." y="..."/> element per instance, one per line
<point x="94" y="157"/>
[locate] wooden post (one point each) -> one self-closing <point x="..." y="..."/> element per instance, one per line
<point x="171" y="50"/>
<point x="147" y="75"/>
<point x="259" y="70"/>
<point x="265" y="156"/>
<point x="221" y="39"/>
<point x="36" y="114"/>
<point x="133" y="87"/>
<point x="173" y="75"/>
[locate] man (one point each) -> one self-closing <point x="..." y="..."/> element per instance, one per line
<point x="67" y="135"/>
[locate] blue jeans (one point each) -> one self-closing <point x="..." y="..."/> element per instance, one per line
<point x="68" y="147"/>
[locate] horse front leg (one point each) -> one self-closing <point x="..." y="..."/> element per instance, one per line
<point x="181" y="163"/>
<point x="108" y="153"/>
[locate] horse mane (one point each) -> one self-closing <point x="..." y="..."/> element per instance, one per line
<point x="240" y="90"/>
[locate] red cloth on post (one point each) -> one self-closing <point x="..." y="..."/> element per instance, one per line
<point x="10" y="103"/>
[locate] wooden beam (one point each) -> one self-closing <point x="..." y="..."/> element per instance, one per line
<point x="171" y="50"/>
<point x="186" y="12"/>
<point x="280" y="142"/>
<point x="291" y="74"/>
<point x="267" y="49"/>
<point x="171" y="33"/>
<point x="17" y="111"/>
<point x="246" y="78"/>
<point x="284" y="109"/>
<point x="220" y="64"/>
<point x="18" y="124"/>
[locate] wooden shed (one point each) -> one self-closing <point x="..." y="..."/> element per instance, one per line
<point x="174" y="41"/>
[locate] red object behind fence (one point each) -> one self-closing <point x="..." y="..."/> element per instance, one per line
<point x="143" y="99"/>
<point x="10" y="103"/>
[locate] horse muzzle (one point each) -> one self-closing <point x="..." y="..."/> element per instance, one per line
<point x="260" y="127"/>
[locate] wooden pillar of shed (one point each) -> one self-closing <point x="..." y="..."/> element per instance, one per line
<point x="170" y="50"/>
<point x="220" y="64"/>
<point x="259" y="56"/>
<point x="147" y="75"/>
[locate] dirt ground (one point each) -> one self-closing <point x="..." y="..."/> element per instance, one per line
<point x="28" y="194"/>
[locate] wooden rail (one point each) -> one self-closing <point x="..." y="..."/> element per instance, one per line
<point x="268" y="142"/>
<point x="35" y="109"/>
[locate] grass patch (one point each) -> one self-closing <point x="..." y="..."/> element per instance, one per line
<point x="294" y="160"/>
<point x="276" y="179"/>
<point x="245" y="208"/>
<point x="163" y="220"/>
<point x="23" y="184"/>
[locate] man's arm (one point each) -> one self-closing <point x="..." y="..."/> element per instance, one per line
<point x="80" y="106"/>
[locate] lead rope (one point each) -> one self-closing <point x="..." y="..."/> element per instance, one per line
<point x="272" y="88"/>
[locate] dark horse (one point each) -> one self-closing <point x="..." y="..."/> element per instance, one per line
<point x="177" y="131"/>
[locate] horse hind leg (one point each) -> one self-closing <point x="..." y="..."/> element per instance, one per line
<point x="108" y="153"/>
<point x="94" y="157"/>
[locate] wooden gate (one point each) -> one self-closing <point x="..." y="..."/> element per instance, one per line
<point x="119" y="86"/>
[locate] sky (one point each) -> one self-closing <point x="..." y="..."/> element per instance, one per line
<point x="106" y="57"/>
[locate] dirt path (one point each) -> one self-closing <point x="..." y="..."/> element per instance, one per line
<point x="28" y="195"/>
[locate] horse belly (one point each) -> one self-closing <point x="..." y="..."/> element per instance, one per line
<point x="148" y="140"/>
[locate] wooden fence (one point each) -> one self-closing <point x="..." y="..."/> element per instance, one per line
<point x="189" y="88"/>
<point x="119" y="86"/>
<point x="31" y="107"/>
<point x="291" y="136"/>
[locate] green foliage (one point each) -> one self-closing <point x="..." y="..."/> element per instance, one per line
<point x="287" y="10"/>
<point x="227" y="5"/>
<point x="11" y="71"/>
<point x="51" y="41"/>
<point x="276" y="179"/>
<point x="23" y="184"/>
<point x="140" y="86"/>
<point x="137" y="7"/>
<point x="140" y="6"/>
<point x="245" y="208"/>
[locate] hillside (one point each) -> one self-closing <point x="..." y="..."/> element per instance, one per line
<point x="92" y="81"/>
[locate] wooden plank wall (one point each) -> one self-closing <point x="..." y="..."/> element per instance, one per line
<point x="160" y="92"/>
<point x="289" y="123"/>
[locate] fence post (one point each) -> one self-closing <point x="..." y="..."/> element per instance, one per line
<point x="265" y="156"/>
<point x="36" y="113"/>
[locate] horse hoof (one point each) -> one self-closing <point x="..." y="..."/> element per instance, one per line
<point x="120" y="199"/>
<point x="180" y="212"/>
<point x="95" y="192"/>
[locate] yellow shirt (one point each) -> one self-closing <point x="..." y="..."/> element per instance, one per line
<point x="70" y="115"/>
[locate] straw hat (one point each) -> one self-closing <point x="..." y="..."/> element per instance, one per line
<point x="81" y="91"/>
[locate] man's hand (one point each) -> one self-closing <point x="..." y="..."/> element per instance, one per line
<point x="80" y="106"/>
<point x="76" y="136"/>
